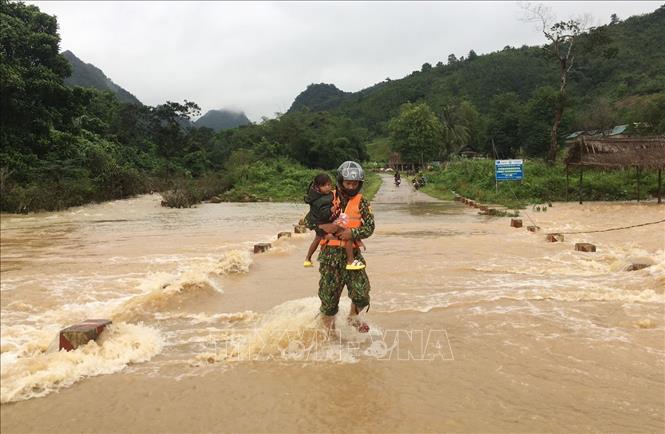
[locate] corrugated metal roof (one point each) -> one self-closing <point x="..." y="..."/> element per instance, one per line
<point x="618" y="130"/>
<point x="573" y="135"/>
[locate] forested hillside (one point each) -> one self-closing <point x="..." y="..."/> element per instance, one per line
<point x="318" y="97"/>
<point x="619" y="67"/>
<point x="88" y="75"/>
<point x="218" y="120"/>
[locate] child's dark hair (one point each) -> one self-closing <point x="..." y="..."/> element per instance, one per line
<point x="321" y="179"/>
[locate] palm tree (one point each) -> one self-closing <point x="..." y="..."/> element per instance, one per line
<point x="456" y="135"/>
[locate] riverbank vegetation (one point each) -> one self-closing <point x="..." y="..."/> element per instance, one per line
<point x="275" y="181"/>
<point x="63" y="146"/>
<point x="542" y="183"/>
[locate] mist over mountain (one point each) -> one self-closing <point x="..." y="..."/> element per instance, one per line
<point x="88" y="75"/>
<point x="222" y="119"/>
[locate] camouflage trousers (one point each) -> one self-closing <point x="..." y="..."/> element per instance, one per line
<point x="334" y="276"/>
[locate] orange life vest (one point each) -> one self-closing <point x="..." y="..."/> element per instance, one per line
<point x="352" y="211"/>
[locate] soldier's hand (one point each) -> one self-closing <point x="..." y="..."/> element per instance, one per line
<point x="346" y="235"/>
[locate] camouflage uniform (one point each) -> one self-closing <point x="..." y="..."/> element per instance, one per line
<point x="334" y="275"/>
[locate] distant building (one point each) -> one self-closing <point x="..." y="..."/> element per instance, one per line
<point x="468" y="152"/>
<point x="616" y="132"/>
<point x="395" y="161"/>
<point x="617" y="152"/>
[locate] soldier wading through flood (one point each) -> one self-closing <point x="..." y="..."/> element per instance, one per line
<point x="332" y="258"/>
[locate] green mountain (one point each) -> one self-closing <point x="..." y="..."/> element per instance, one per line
<point x="622" y="62"/>
<point x="218" y="120"/>
<point x="318" y="97"/>
<point x="88" y="75"/>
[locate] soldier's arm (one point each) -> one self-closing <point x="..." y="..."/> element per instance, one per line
<point x="367" y="228"/>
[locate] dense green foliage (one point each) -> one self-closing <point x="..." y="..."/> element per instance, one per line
<point x="542" y="183"/>
<point x="379" y="149"/>
<point x="270" y="181"/>
<point x="279" y="181"/>
<point x="314" y="139"/>
<point x="87" y="75"/>
<point x="417" y="134"/>
<point x="276" y="180"/>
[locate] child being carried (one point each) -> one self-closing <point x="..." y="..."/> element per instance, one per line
<point x="320" y="198"/>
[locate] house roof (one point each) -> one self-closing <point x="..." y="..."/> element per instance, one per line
<point x="619" y="129"/>
<point x="644" y="152"/>
<point x="467" y="149"/>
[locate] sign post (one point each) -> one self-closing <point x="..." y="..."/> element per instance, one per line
<point x="508" y="170"/>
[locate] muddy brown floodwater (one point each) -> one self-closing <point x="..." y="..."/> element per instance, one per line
<point x="475" y="326"/>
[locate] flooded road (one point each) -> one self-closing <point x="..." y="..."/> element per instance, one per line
<point x="475" y="326"/>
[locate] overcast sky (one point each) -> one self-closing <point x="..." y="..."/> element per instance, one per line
<point x="258" y="56"/>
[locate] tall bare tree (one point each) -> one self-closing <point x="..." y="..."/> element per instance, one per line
<point x="562" y="36"/>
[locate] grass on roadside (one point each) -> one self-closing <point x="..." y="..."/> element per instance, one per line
<point x="278" y="181"/>
<point x="542" y="183"/>
<point x="371" y="185"/>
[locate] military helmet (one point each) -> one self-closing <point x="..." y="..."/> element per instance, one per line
<point x="350" y="171"/>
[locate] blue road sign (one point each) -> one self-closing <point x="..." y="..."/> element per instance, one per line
<point x="509" y="170"/>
